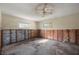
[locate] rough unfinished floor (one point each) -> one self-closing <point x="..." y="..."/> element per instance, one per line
<point x="43" y="47"/>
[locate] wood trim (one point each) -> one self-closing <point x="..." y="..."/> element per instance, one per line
<point x="1" y="39"/>
<point x="24" y="34"/>
<point x="68" y="35"/>
<point x="1" y="42"/>
<point x="76" y="36"/>
<point x="62" y="35"/>
<point x="28" y="34"/>
<point x="10" y="37"/>
<point x="16" y="36"/>
<point x="53" y="34"/>
<point x="57" y="35"/>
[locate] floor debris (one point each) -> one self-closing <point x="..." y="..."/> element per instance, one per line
<point x="44" y="47"/>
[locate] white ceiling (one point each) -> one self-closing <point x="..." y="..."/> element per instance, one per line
<point x="26" y="10"/>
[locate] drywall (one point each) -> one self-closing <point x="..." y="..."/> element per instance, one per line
<point x="12" y="22"/>
<point x="66" y="22"/>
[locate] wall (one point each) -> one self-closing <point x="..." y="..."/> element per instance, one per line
<point x="16" y="29"/>
<point x="61" y="29"/>
<point x="0" y="29"/>
<point x="65" y="35"/>
<point x="10" y="36"/>
<point x="12" y="22"/>
<point x="67" y="22"/>
<point x="0" y="19"/>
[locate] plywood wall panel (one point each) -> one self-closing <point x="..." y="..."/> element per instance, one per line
<point x="42" y="33"/>
<point x="72" y="35"/>
<point x="55" y="35"/>
<point x="65" y="36"/>
<point x="45" y="33"/>
<point x="48" y="34"/>
<point x="13" y="36"/>
<point x="0" y="39"/>
<point x="77" y="34"/>
<point x="6" y="37"/>
<point x="29" y="34"/>
<point x="20" y="35"/>
<point x="51" y="34"/>
<point x="26" y="34"/>
<point x="34" y="33"/>
<point x="69" y="35"/>
<point x="60" y="35"/>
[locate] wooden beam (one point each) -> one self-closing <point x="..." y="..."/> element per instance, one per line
<point x="10" y="36"/>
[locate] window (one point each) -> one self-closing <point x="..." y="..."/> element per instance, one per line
<point x="46" y="25"/>
<point x="22" y="25"/>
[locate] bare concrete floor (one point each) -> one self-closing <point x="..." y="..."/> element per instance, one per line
<point x="43" y="47"/>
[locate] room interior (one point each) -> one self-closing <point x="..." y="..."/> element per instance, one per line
<point x="39" y="29"/>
